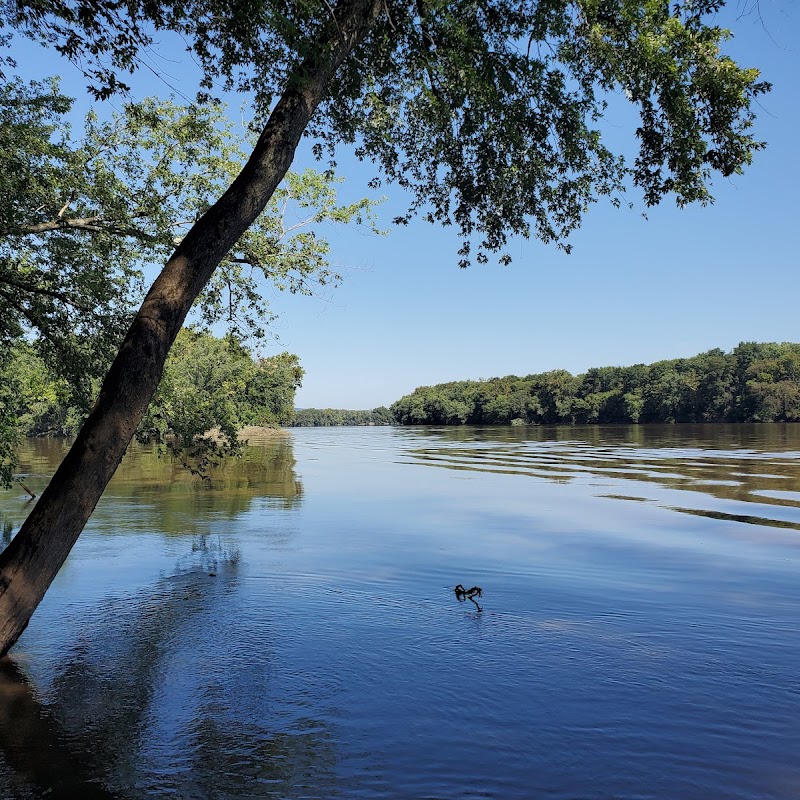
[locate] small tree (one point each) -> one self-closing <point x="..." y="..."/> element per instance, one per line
<point x="212" y="388"/>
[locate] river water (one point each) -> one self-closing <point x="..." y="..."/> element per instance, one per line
<point x="289" y="629"/>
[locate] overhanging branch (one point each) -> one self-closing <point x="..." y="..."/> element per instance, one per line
<point x="33" y="289"/>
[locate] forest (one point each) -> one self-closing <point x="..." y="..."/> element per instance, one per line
<point x="218" y="383"/>
<point x="755" y="382"/>
<point x="320" y="417"/>
<point x="209" y="383"/>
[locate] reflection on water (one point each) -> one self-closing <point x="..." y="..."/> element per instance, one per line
<point x="154" y="492"/>
<point x="752" y="470"/>
<point x="259" y="637"/>
<point x="36" y="747"/>
<point x="157" y="684"/>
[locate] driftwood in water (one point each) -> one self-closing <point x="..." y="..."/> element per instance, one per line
<point x="31" y="493"/>
<point x="469" y="594"/>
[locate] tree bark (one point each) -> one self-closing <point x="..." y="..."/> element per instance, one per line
<point x="33" y="558"/>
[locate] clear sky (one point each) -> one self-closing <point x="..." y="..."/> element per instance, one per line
<point x="632" y="291"/>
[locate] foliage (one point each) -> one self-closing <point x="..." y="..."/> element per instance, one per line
<point x="282" y="249"/>
<point x="80" y="220"/>
<point x="753" y="383"/>
<point x="8" y="423"/>
<point x="321" y="417"/>
<point x="32" y="402"/>
<point x="209" y="384"/>
<point x="43" y="403"/>
<point x="210" y="390"/>
<point x="76" y="294"/>
<point x="487" y="111"/>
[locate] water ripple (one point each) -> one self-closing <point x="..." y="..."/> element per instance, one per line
<point x="742" y="476"/>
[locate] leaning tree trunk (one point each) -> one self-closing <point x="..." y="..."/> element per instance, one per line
<point x="32" y="560"/>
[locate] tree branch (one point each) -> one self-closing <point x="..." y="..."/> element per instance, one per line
<point x="96" y="224"/>
<point x="27" y="287"/>
<point x="66" y="205"/>
<point x="429" y="45"/>
<point x="80" y="223"/>
<point x="32" y="318"/>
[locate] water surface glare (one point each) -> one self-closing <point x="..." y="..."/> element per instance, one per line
<point x="289" y="629"/>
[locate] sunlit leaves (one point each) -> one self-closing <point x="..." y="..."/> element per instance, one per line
<point x="210" y="390"/>
<point x="753" y="383"/>
<point x="79" y="220"/>
<point x="283" y="249"/>
<point x="487" y="111"/>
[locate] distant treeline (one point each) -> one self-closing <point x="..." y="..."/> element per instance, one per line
<point x="753" y="383"/>
<point x="217" y="383"/>
<point x="319" y="417"/>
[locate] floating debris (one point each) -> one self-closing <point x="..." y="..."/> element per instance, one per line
<point x="31" y="493"/>
<point x="463" y="594"/>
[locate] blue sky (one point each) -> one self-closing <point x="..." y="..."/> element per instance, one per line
<point x="632" y="291"/>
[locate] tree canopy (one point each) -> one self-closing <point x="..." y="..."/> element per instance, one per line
<point x="210" y="384"/>
<point x="755" y="382"/>
<point x="487" y="111"/>
<point x="81" y="218"/>
<point x="322" y="417"/>
<point x="211" y="389"/>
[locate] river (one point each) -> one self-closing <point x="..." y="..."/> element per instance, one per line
<point x="289" y="628"/>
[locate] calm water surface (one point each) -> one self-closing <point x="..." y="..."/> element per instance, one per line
<point x="640" y="635"/>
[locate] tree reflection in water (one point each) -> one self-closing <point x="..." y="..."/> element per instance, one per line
<point x="144" y="702"/>
<point x="744" y="473"/>
<point x="143" y="709"/>
<point x="35" y="745"/>
<point x="152" y="492"/>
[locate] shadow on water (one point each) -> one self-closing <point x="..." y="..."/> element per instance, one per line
<point x="740" y="473"/>
<point x="8" y="530"/>
<point x="145" y="680"/>
<point x="155" y="672"/>
<point x="91" y="725"/>
<point x="36" y="747"/>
